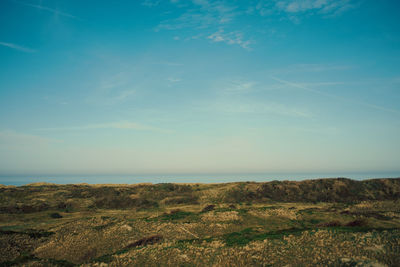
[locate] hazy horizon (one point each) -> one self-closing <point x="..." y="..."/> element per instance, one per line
<point x="199" y="86"/>
<point x="19" y="179"/>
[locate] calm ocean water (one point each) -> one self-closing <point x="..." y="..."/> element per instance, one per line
<point x="183" y="178"/>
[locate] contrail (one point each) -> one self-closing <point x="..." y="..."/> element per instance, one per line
<point x="336" y="97"/>
<point x="48" y="9"/>
<point x="18" y="47"/>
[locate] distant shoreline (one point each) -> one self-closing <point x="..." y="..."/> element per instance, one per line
<point x="196" y="183"/>
<point x="186" y="178"/>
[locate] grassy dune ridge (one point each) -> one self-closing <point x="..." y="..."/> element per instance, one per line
<point x="334" y="222"/>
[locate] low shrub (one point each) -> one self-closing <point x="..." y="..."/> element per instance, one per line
<point x="146" y="241"/>
<point x="176" y="215"/>
<point x="356" y="223"/>
<point x="55" y="215"/>
<point x="329" y="224"/>
<point x="208" y="208"/>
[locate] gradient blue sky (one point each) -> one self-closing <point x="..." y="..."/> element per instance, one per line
<point x="180" y="86"/>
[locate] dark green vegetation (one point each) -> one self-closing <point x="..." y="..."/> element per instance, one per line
<point x="339" y="190"/>
<point x="325" y="222"/>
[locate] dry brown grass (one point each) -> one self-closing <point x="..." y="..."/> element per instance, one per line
<point x="250" y="233"/>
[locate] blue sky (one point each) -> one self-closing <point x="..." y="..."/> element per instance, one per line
<point x="198" y="86"/>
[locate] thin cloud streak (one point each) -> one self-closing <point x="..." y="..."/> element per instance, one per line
<point x="18" y="47"/>
<point x="48" y="9"/>
<point x="262" y="108"/>
<point x="236" y="86"/>
<point x="251" y="107"/>
<point x="335" y="96"/>
<point x="124" y="125"/>
<point x="12" y="138"/>
<point x="168" y="63"/>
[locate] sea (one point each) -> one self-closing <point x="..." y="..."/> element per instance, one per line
<point x="19" y="180"/>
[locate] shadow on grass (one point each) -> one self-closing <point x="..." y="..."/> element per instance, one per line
<point x="31" y="233"/>
<point x="26" y="258"/>
<point x="175" y="215"/>
<point x="248" y="235"/>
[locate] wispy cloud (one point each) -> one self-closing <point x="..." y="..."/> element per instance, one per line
<point x="114" y="81"/>
<point x="174" y="80"/>
<point x="18" y="47"/>
<point x="254" y="107"/>
<point x="231" y="38"/>
<point x="205" y="16"/>
<point x="218" y="21"/>
<point x="313" y="84"/>
<point x="327" y="8"/>
<point x="240" y="96"/>
<point x="309" y="68"/>
<point x="123" y="95"/>
<point x="237" y="86"/>
<point x="151" y="3"/>
<point x="294" y="6"/>
<point x="342" y="99"/>
<point x="13" y="138"/>
<point x="319" y="67"/>
<point x="47" y="9"/>
<point x="123" y="125"/>
<point x="110" y="98"/>
<point x="113" y="89"/>
<point x="297" y="85"/>
<point x="169" y="63"/>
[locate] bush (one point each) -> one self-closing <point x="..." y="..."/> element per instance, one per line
<point x="329" y="224"/>
<point x="182" y="200"/>
<point x="124" y="202"/>
<point x="239" y="195"/>
<point x="208" y="208"/>
<point x="146" y="241"/>
<point x="55" y="215"/>
<point x="355" y="223"/>
<point x="176" y="215"/>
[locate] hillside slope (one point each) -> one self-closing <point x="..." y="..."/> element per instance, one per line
<point x="41" y="197"/>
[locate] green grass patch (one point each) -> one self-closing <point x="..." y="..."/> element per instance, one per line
<point x="105" y="258"/>
<point x="247" y="235"/>
<point x="240" y="238"/>
<point x="242" y="211"/>
<point x="103" y="226"/>
<point x="174" y="216"/>
<point x="20" y="260"/>
<point x="356" y="229"/>
<point x="183" y="243"/>
<point x="63" y="263"/>
<point x="270" y="208"/>
<point x="308" y="211"/>
<point x="223" y="209"/>
<point x="315" y="221"/>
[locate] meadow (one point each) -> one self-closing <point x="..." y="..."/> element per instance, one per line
<point x="322" y="222"/>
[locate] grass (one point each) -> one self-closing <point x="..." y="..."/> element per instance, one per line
<point x="26" y="257"/>
<point x="197" y="225"/>
<point x="31" y="233"/>
<point x="248" y="235"/>
<point x="175" y="216"/>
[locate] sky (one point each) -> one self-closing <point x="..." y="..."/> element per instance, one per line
<point x="199" y="86"/>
